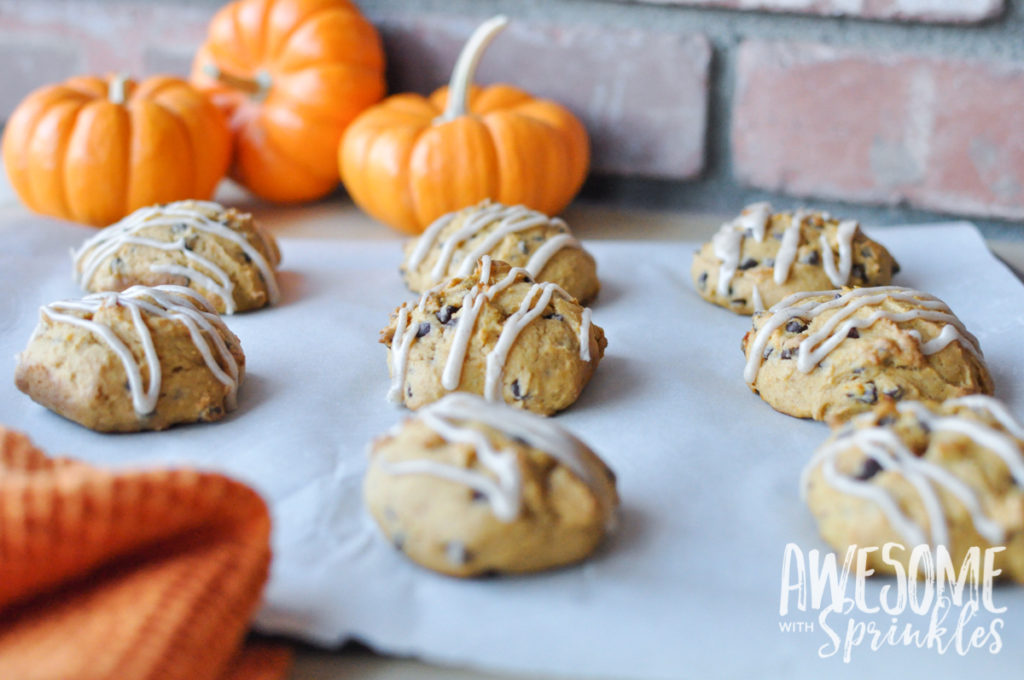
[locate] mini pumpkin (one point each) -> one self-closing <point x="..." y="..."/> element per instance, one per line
<point x="411" y="159"/>
<point x="95" y="149"/>
<point x="290" y="75"/>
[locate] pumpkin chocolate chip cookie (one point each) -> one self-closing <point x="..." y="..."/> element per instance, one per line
<point x="470" y="487"/>
<point x="923" y="474"/>
<point x="759" y="258"/>
<point x="496" y="333"/>
<point x="222" y="254"/>
<point x="544" y="246"/>
<point x="142" y="359"/>
<point x="829" y="355"/>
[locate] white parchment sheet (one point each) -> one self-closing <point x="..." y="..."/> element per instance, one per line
<point x="688" y="587"/>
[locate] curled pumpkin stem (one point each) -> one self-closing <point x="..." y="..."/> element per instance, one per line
<point x="257" y="87"/>
<point x="465" y="67"/>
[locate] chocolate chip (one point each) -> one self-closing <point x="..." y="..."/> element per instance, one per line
<point x="748" y="233"/>
<point x="895" y="267"/>
<point x="767" y="352"/>
<point x="446" y="314"/>
<point x="117" y="265"/>
<point x="886" y="420"/>
<point x="895" y="393"/>
<point x="178" y="228"/>
<point x="524" y="248"/>
<point x="857" y="272"/>
<point x="748" y="263"/>
<point x="515" y="389"/>
<point x="870" y="395"/>
<point x="858" y="371"/>
<point x="865" y="252"/>
<point x="246" y="258"/>
<point x="854" y="333"/>
<point x="788" y="353"/>
<point x="190" y="242"/>
<point x="423" y="329"/>
<point x="477" y="496"/>
<point x="408" y="391"/>
<point x="868" y="469"/>
<point x="812" y="258"/>
<point x="398" y="540"/>
<point x="769" y="262"/>
<point x="738" y="301"/>
<point x="702" y="281"/>
<point x="796" y="326"/>
<point x="490" y="573"/>
<point x="554" y="316"/>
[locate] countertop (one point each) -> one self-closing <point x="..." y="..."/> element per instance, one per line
<point x="337" y="218"/>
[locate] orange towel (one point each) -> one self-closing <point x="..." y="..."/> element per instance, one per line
<point x="138" y="575"/>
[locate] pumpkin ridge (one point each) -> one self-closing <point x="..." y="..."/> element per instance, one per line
<point x="62" y="154"/>
<point x="287" y="38"/>
<point x="238" y="33"/>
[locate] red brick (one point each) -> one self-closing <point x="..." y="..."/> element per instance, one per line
<point x="858" y="125"/>
<point x="642" y="95"/>
<point x="944" y="11"/>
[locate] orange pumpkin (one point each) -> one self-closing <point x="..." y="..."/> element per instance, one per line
<point x="410" y="159"/>
<point x="290" y="75"/>
<point x="94" y="149"/>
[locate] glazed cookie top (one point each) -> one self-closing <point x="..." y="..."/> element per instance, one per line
<point x="517" y="298"/>
<point x="499" y="436"/>
<point x="180" y="237"/>
<point x="814" y="324"/>
<point x="770" y="255"/>
<point x="455" y="242"/>
<point x="924" y="454"/>
<point x="135" y="308"/>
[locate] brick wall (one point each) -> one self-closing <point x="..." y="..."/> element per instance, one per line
<point x="913" y="105"/>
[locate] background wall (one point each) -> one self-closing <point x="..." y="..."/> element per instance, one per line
<point x="887" y="110"/>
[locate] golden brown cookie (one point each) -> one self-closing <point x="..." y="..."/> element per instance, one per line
<point x="830" y="355"/>
<point x="542" y="245"/>
<point x="142" y="359"/>
<point x="222" y="254"/>
<point x="496" y="333"/>
<point x="761" y="257"/>
<point x="470" y="487"/>
<point x="923" y="474"/>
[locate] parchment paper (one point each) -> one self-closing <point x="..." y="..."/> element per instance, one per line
<point x="690" y="584"/>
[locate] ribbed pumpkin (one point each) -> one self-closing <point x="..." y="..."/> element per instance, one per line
<point x="290" y="75"/>
<point x="410" y="159"/>
<point x="94" y="149"/>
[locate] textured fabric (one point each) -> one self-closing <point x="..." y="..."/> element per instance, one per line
<point x="133" y="575"/>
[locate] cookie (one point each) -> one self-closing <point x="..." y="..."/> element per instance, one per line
<point x="496" y="333"/>
<point x="923" y="474"/>
<point x="829" y="355"/>
<point x="762" y="257"/>
<point x="141" y="359"/>
<point x="470" y="487"/>
<point x="542" y="245"/>
<point x="220" y="253"/>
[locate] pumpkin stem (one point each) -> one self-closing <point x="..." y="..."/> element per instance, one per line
<point x="465" y="66"/>
<point x="257" y="87"/>
<point x="117" y="89"/>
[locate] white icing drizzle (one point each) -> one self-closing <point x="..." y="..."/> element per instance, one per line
<point x="178" y="303"/>
<point x="506" y="220"/>
<point x="845" y="232"/>
<point x="584" y="335"/>
<point x="816" y="346"/>
<point x="758" y="302"/>
<point x="883" y="446"/>
<point x="755" y="217"/>
<point x="533" y="305"/>
<point x="501" y="480"/>
<point x="726" y="244"/>
<point x="787" y="250"/>
<point x="95" y="251"/>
